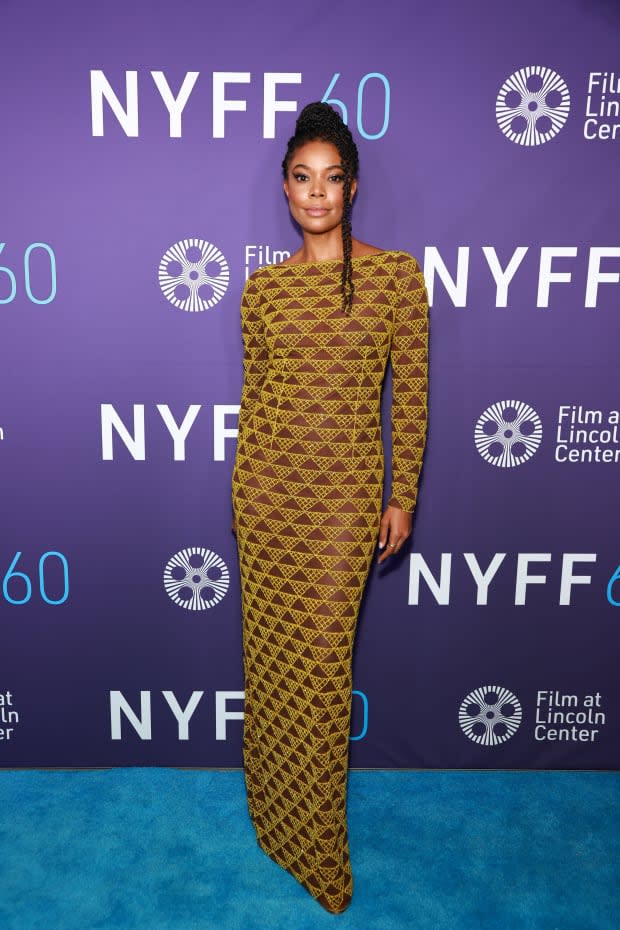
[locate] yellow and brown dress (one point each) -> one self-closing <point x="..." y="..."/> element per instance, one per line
<point x="307" y="490"/>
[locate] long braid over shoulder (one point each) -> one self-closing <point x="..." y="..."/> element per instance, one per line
<point x="320" y="121"/>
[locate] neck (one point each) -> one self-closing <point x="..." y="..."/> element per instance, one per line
<point x="322" y="247"/>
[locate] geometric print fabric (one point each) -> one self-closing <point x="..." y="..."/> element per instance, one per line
<point x="307" y="489"/>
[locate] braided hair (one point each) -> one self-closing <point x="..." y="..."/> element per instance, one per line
<point x="319" y="121"/>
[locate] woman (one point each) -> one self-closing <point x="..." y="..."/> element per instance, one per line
<point x="307" y="493"/>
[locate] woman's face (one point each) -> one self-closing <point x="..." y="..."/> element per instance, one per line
<point x="314" y="186"/>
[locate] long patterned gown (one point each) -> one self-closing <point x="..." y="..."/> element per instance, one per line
<point x="307" y="490"/>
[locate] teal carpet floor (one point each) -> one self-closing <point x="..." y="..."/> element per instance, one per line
<point x="169" y="849"/>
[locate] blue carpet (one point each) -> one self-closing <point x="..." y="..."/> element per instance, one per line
<point x="168" y="849"/>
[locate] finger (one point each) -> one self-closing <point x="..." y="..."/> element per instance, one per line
<point x="388" y="551"/>
<point x="392" y="549"/>
<point x="383" y="534"/>
<point x="382" y="541"/>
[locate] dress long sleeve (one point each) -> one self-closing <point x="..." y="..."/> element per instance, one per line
<point x="409" y="357"/>
<point x="255" y="353"/>
<point x="307" y="489"/>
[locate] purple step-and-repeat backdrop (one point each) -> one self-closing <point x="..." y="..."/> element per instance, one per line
<point x="140" y="184"/>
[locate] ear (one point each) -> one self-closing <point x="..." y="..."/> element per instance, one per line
<point x="353" y="189"/>
<point x="285" y="187"/>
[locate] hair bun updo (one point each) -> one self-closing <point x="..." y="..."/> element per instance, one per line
<point x="319" y="121"/>
<point x="315" y="116"/>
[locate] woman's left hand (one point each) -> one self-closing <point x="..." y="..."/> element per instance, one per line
<point x="394" y="529"/>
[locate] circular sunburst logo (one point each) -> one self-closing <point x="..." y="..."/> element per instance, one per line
<point x="532" y="105"/>
<point x="196" y="578"/>
<point x="508" y="433"/>
<point x="490" y="715"/>
<point x="193" y="275"/>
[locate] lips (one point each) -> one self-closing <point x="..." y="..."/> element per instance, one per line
<point x="316" y="211"/>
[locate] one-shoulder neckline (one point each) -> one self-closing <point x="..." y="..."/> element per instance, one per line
<point x="336" y="261"/>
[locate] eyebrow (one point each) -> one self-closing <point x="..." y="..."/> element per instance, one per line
<point x="329" y="168"/>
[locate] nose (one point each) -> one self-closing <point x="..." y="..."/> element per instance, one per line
<point x="317" y="189"/>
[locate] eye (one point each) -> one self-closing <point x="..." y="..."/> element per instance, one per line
<point x="336" y="177"/>
<point x="300" y="176"/>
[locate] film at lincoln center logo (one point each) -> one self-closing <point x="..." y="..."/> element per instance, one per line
<point x="490" y="715"/>
<point x="193" y="275"/>
<point x="532" y="105"/>
<point x="508" y="433"/>
<point x="196" y="578"/>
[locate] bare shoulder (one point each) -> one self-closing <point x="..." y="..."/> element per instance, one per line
<point x="359" y="248"/>
<point x="294" y="259"/>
